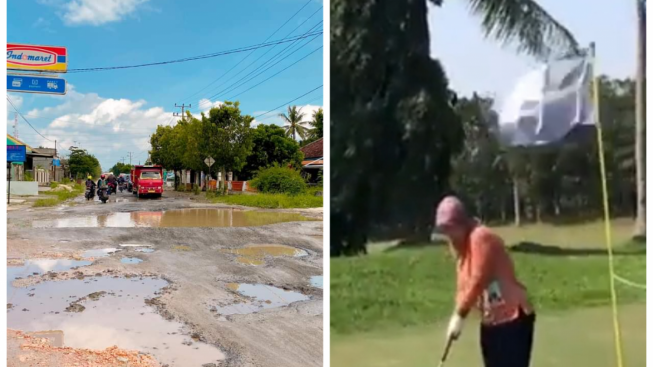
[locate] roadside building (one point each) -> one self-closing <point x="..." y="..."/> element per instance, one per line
<point x="41" y="165"/>
<point x="313" y="160"/>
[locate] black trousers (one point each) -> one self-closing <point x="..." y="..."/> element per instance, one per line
<point x="509" y="344"/>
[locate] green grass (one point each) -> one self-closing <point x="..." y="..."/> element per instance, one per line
<point x="414" y="287"/>
<point x="272" y="201"/>
<point x="390" y="308"/>
<point x="41" y="203"/>
<point x="576" y="338"/>
<point x="60" y="196"/>
<point x="54" y="184"/>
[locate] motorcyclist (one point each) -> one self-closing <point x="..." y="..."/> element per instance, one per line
<point x="90" y="185"/>
<point x="111" y="181"/>
<point x="102" y="182"/>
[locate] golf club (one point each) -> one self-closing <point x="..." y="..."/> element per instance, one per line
<point x="445" y="353"/>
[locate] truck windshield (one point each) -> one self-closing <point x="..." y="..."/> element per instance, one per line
<point x="150" y="175"/>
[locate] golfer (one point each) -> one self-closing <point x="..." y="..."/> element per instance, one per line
<point x="486" y="279"/>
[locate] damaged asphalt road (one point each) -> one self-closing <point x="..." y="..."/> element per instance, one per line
<point x="201" y="267"/>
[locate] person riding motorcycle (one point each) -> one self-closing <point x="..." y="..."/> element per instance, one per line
<point x="90" y="185"/>
<point x="102" y="182"/>
<point x="111" y="182"/>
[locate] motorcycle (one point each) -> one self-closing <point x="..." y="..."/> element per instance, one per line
<point x="90" y="193"/>
<point x="122" y="186"/>
<point x="111" y="189"/>
<point x="102" y="195"/>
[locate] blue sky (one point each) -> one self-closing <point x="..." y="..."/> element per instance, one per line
<point x="113" y="112"/>
<point x="474" y="63"/>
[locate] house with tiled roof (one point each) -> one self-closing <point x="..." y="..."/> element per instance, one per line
<point x="313" y="159"/>
<point x="40" y="164"/>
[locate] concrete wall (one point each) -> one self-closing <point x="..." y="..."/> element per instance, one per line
<point x="26" y="188"/>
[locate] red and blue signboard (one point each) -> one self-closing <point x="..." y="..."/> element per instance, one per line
<point x="37" y="58"/>
<point x="16" y="153"/>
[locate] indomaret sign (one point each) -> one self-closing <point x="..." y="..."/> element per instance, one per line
<point x="37" y="58"/>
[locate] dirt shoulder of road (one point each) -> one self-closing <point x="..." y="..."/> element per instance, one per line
<point x="28" y="350"/>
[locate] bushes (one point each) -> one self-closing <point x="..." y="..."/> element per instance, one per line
<point x="279" y="180"/>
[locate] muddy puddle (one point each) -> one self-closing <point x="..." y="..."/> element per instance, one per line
<point x="317" y="281"/>
<point x="131" y="260"/>
<point x="255" y="254"/>
<point x="176" y="218"/>
<point x="258" y="297"/>
<point x="20" y="269"/>
<point x="105" y="312"/>
<point x="96" y="253"/>
<point x="145" y="250"/>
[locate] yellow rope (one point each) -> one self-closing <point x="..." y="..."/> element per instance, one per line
<point x="606" y="209"/>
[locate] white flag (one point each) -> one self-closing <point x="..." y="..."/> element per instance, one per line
<point x="547" y="104"/>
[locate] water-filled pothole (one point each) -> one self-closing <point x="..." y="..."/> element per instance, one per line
<point x="103" y="252"/>
<point x="176" y="218"/>
<point x="24" y="269"/>
<point x="259" y="297"/>
<point x="317" y="281"/>
<point x="146" y="250"/>
<point x="130" y="260"/>
<point x="255" y="254"/>
<point x="107" y="312"/>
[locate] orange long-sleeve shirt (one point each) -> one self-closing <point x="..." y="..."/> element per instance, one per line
<point x="487" y="280"/>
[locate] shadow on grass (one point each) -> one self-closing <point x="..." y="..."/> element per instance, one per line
<point x="415" y="245"/>
<point x="631" y="248"/>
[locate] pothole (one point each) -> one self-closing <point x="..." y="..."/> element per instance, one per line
<point x="106" y="312"/>
<point x="17" y="269"/>
<point x="195" y="217"/>
<point x="146" y="250"/>
<point x="131" y="260"/>
<point x="317" y="281"/>
<point x="258" y="297"/>
<point x="103" y="252"/>
<point x="255" y="254"/>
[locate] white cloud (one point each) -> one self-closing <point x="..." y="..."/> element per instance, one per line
<point x="205" y="105"/>
<point x="106" y="127"/>
<point x="17" y="100"/>
<point x="95" y="12"/>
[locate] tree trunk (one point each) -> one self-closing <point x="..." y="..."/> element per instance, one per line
<point x="640" y="115"/>
<point x="515" y="196"/>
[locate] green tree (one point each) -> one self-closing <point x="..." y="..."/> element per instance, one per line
<point x="293" y="123"/>
<point x="82" y="163"/>
<point x="120" y="167"/>
<point x="317" y="127"/>
<point x="271" y="146"/>
<point x="394" y="130"/>
<point x="227" y="137"/>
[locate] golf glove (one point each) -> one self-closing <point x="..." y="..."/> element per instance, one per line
<point x="455" y="327"/>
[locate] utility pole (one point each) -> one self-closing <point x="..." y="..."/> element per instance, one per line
<point x="183" y="106"/>
<point x="130" y="158"/>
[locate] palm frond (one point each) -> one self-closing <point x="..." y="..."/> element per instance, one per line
<point x="525" y="22"/>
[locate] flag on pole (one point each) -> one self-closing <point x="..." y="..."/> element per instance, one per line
<point x="548" y="103"/>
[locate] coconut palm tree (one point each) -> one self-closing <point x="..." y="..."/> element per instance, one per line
<point x="640" y="120"/>
<point x="293" y="123"/>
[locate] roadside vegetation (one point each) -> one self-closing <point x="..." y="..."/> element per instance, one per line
<point x="58" y="194"/>
<point x="278" y="188"/>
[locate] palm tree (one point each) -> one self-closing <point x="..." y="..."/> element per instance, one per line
<point x="525" y="23"/>
<point x="640" y="120"/>
<point x="293" y="123"/>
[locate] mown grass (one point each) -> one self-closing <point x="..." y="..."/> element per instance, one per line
<point x="416" y="286"/>
<point x="60" y="196"/>
<point x="272" y="201"/>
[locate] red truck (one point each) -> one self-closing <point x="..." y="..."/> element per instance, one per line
<point x="147" y="180"/>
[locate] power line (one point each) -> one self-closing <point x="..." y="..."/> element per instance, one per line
<point x="268" y="60"/>
<point x="200" y="57"/>
<point x="229" y="89"/>
<point x="279" y="72"/>
<point x="307" y="102"/>
<point x="289" y="102"/>
<point x="249" y="54"/>
<point x="30" y="125"/>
